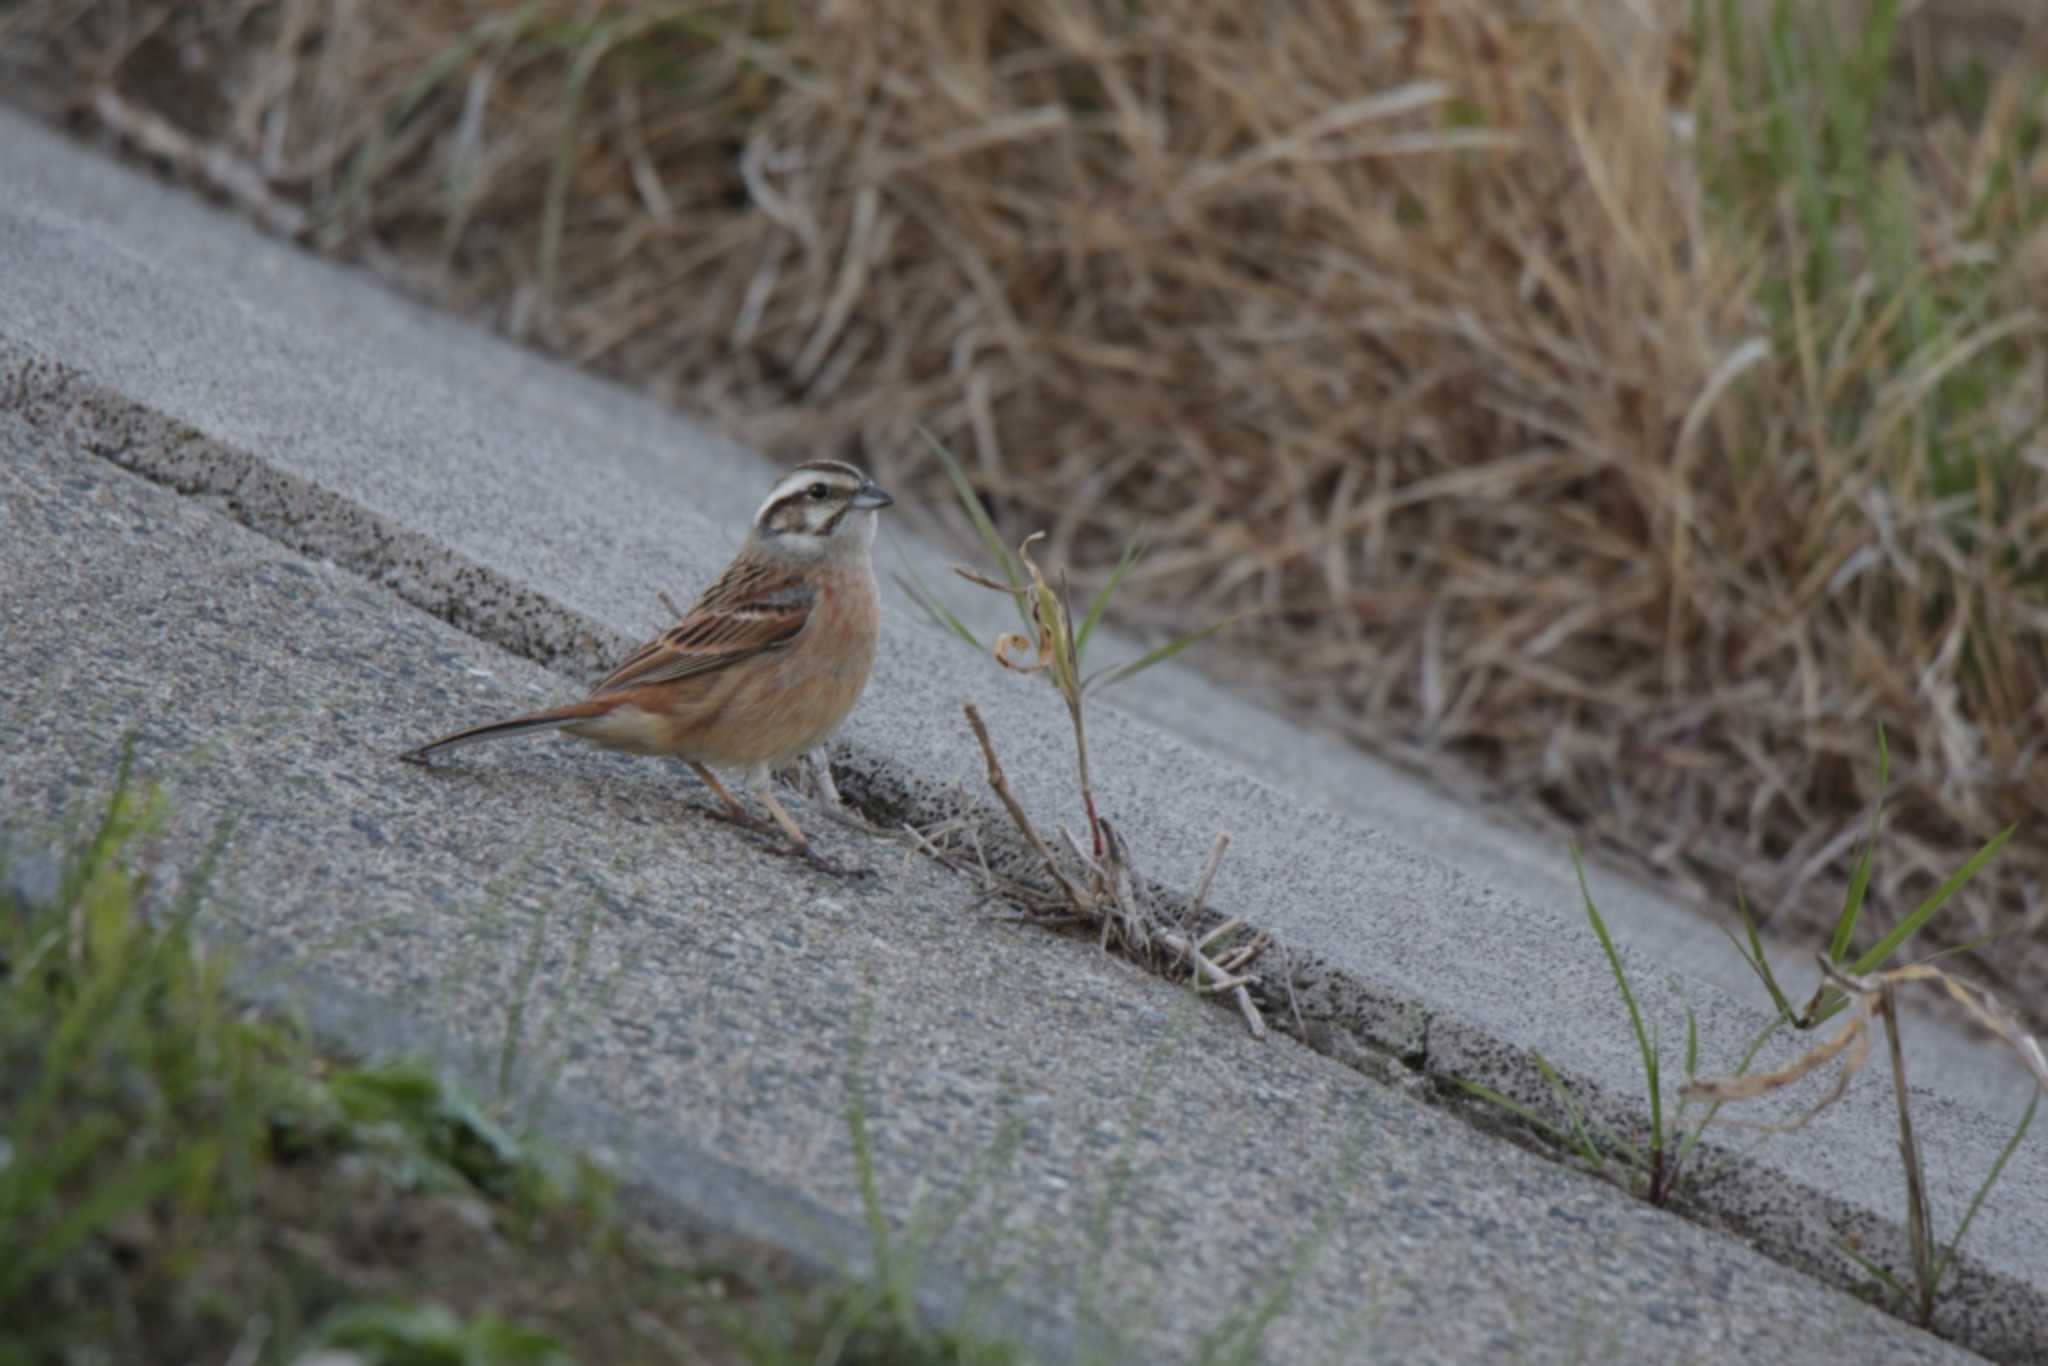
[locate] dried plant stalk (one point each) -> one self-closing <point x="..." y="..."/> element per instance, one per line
<point x="1868" y="995"/>
<point x="1107" y="898"/>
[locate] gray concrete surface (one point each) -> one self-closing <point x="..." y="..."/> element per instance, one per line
<point x="414" y="464"/>
<point x="661" y="964"/>
<point x="718" y="1003"/>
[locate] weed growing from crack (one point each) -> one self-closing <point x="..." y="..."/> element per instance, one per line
<point x="1657" y="1168"/>
<point x="1874" y="997"/>
<point x="1097" y="886"/>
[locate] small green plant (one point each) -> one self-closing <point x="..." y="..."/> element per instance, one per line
<point x="1658" y="1164"/>
<point x="182" y="1178"/>
<point x="1096" y="885"/>
<point x="1828" y="999"/>
<point x="153" y="1127"/>
<point x="430" y="1335"/>
<point x="88" y="985"/>
<point x="1875" y="997"/>
<point x="1050" y="643"/>
<point x="879" y="1312"/>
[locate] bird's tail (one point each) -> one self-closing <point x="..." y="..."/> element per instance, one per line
<point x="554" y="718"/>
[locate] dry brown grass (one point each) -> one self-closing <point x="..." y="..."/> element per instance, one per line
<point x="1484" y="352"/>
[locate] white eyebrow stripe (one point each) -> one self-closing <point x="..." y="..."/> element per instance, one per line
<point x="799" y="480"/>
<point x="790" y="484"/>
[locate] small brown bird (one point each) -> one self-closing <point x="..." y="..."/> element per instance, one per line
<point x="763" y="667"/>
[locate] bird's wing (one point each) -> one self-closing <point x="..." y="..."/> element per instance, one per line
<point x="752" y="608"/>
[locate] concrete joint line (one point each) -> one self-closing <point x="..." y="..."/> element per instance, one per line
<point x="1377" y="1033"/>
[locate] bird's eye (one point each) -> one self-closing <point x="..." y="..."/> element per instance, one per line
<point x="818" y="490"/>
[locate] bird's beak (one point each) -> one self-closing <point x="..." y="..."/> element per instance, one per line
<point x="872" y="495"/>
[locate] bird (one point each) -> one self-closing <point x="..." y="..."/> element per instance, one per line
<point x="762" y="668"/>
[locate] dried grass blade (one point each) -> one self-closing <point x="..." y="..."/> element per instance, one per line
<point x="554" y="206"/>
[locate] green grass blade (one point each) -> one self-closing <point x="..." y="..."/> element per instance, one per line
<point x="197" y="885"/>
<point x="890" y="1288"/>
<point x="1859" y="881"/>
<point x="1582" y="1139"/>
<point x="1948" y="1254"/>
<point x="1846" y="107"/>
<point x="1731" y="48"/>
<point x="1890" y="1281"/>
<point x="933" y="608"/>
<point x="369" y="158"/>
<point x="1874" y="54"/>
<point x="1693" y="1135"/>
<point x="109" y="1200"/>
<point x="1117" y="674"/>
<point x="1907" y="928"/>
<point x="115" y="825"/>
<point x="458" y="202"/>
<point x="105" y="1003"/>
<point x="1635" y="1016"/>
<point x="1755" y="957"/>
<point x="1132" y="554"/>
<point x="1237" y="1341"/>
<point x="1563" y="1138"/>
<point x="1967" y="946"/>
<point x="977" y="513"/>
<point x="1796" y="159"/>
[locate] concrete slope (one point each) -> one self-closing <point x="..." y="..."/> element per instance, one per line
<point x="462" y="513"/>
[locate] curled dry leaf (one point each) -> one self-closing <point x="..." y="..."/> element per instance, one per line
<point x="1031" y="656"/>
<point x="1051" y="633"/>
<point x="1869" y="994"/>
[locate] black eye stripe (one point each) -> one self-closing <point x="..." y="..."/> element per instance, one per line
<point x="793" y="512"/>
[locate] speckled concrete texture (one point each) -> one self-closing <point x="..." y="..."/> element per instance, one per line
<point x="442" y="475"/>
<point x="566" y="911"/>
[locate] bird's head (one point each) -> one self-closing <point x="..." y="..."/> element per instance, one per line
<point x="822" y="509"/>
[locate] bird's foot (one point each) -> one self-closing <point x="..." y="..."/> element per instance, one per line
<point x="849" y="871"/>
<point x="745" y="820"/>
<point x="779" y="843"/>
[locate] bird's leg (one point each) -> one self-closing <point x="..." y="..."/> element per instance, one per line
<point x="826" y="792"/>
<point x="782" y="817"/>
<point x="796" y="837"/>
<point x="745" y="819"/>
<point x="734" y="813"/>
<point x="820" y="765"/>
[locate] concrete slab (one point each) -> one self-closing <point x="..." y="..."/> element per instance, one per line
<point x="538" y="510"/>
<point x="347" y="387"/>
<point x="704" y="1009"/>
